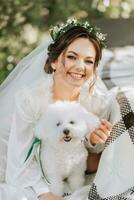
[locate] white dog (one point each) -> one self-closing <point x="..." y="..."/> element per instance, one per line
<point x="62" y="129"/>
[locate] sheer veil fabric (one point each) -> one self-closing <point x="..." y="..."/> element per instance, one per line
<point x="28" y="70"/>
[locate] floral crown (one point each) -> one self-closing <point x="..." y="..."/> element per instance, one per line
<point x="57" y="31"/>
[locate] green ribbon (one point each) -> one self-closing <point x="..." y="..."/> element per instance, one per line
<point x="36" y="144"/>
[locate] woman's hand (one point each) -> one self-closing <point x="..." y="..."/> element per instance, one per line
<point x="49" y="196"/>
<point x="100" y="135"/>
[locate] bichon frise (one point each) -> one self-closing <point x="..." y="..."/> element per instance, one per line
<point x="62" y="129"/>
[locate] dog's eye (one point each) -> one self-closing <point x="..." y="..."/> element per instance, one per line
<point x="58" y="124"/>
<point x="71" y="122"/>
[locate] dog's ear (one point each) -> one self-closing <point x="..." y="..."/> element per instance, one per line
<point x="92" y="120"/>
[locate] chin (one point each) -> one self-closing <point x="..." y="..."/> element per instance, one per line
<point x="76" y="83"/>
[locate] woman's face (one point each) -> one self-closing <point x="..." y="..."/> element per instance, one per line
<point x="76" y="64"/>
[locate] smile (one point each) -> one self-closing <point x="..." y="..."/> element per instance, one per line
<point x="76" y="75"/>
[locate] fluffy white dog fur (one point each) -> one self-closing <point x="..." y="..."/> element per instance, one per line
<point x="62" y="129"/>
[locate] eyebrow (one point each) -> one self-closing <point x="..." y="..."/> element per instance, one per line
<point x="77" y="54"/>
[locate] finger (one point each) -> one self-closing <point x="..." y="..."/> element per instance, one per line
<point x="107" y="124"/>
<point x="101" y="134"/>
<point x="104" y="129"/>
<point x="95" y="139"/>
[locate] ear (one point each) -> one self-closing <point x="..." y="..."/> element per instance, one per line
<point x="92" y="121"/>
<point x="53" y="65"/>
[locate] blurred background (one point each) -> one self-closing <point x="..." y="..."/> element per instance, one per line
<point x="24" y="24"/>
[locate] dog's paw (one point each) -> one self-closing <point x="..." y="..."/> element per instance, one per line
<point x="66" y="194"/>
<point x="67" y="189"/>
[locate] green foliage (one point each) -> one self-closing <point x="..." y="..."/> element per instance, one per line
<point x="17" y="17"/>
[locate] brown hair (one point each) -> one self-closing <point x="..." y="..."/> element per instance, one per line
<point x="56" y="48"/>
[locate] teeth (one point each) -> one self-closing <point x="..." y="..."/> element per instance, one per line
<point x="78" y="76"/>
<point x="67" y="139"/>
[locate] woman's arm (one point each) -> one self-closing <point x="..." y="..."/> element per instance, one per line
<point x="95" y="144"/>
<point x="20" y="172"/>
<point x="49" y="196"/>
<point x="92" y="162"/>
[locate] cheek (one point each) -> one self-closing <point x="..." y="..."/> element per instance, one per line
<point x="69" y="63"/>
<point x="89" y="71"/>
<point x="60" y="70"/>
<point x="56" y="135"/>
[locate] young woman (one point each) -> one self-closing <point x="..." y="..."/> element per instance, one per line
<point x="70" y="74"/>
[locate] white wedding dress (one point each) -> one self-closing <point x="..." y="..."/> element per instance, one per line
<point x="114" y="178"/>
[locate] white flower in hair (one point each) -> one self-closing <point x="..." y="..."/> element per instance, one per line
<point x="101" y="36"/>
<point x="57" y="31"/>
<point x="71" y="20"/>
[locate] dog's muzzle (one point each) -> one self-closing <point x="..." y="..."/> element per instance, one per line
<point x="67" y="137"/>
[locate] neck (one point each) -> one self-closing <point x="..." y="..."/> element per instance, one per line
<point x="64" y="92"/>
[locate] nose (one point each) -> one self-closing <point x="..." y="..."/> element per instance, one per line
<point x="80" y="65"/>
<point x="66" y="131"/>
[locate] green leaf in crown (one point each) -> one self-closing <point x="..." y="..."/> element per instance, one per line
<point x="58" y="30"/>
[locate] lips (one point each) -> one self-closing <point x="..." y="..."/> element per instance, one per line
<point x="76" y="75"/>
<point x="67" y="139"/>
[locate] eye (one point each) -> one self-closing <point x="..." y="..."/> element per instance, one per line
<point x="71" y="57"/>
<point x="71" y="122"/>
<point x="58" y="124"/>
<point x="90" y="62"/>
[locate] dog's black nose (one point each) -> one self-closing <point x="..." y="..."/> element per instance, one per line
<point x="66" y="131"/>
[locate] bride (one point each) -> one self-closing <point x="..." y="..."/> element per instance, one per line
<point x="69" y="73"/>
